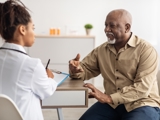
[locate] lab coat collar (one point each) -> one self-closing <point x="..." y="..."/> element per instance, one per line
<point x="13" y="46"/>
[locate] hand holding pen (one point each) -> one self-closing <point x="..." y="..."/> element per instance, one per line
<point x="47" y="64"/>
<point x="49" y="72"/>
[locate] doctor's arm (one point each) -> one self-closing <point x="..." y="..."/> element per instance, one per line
<point x="42" y="85"/>
<point x="49" y="73"/>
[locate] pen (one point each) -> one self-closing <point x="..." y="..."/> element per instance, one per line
<point x="47" y="63"/>
<point x="58" y="72"/>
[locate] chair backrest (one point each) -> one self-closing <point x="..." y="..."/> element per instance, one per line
<point x="8" y="109"/>
<point x="158" y="80"/>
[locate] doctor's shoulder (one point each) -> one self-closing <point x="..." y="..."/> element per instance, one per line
<point x="33" y="62"/>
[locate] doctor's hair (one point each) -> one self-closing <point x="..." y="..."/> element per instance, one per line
<point x="12" y="14"/>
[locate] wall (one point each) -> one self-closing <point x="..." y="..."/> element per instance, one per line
<point x="75" y="13"/>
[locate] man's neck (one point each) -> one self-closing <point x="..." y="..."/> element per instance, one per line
<point x="120" y="45"/>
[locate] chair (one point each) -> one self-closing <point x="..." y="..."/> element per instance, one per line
<point x="158" y="80"/>
<point x="8" y="109"/>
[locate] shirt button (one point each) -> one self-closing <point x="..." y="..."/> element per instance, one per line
<point x="117" y="70"/>
<point x="118" y="102"/>
<point x="117" y="77"/>
<point x="116" y="58"/>
<point x="118" y="88"/>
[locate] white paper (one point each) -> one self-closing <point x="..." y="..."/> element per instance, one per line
<point x="60" y="78"/>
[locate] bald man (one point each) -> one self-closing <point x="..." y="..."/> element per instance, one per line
<point x="128" y="65"/>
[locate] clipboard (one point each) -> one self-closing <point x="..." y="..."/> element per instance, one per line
<point x="59" y="76"/>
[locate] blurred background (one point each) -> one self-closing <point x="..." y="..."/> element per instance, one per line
<point x="74" y="14"/>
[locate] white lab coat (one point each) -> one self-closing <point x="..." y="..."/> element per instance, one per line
<point x="24" y="80"/>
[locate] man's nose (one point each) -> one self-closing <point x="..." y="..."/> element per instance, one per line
<point x="107" y="29"/>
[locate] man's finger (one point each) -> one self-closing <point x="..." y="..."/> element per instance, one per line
<point x="77" y="57"/>
<point x="90" y="86"/>
<point x="71" y="62"/>
<point x="92" y="94"/>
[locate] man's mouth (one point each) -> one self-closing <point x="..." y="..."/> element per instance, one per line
<point x="110" y="35"/>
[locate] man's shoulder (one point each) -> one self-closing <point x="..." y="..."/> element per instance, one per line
<point x="142" y="42"/>
<point x="144" y="46"/>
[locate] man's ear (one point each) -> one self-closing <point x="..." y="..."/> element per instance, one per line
<point x="127" y="27"/>
<point x="22" y="29"/>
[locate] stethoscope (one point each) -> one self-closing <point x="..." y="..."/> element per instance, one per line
<point x="14" y="50"/>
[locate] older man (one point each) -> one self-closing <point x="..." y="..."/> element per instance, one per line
<point x="128" y="65"/>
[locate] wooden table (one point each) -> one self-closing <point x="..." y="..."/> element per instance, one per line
<point x="69" y="94"/>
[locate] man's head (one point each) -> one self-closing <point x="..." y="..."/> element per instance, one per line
<point x="117" y="26"/>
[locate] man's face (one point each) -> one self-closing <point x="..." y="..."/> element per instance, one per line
<point x="114" y="29"/>
<point x="111" y="38"/>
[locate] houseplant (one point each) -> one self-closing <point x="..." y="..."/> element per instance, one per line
<point x="88" y="28"/>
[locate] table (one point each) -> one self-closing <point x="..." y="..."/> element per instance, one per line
<point x="69" y="94"/>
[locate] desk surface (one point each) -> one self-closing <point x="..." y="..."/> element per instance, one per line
<point x="70" y="93"/>
<point x="72" y="85"/>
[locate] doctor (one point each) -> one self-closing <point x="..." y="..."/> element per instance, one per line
<point x="22" y="78"/>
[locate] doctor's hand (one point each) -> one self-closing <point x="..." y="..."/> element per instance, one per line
<point x="49" y="73"/>
<point x="101" y="97"/>
<point x="74" y="65"/>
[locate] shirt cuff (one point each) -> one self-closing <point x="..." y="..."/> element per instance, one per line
<point x="75" y="75"/>
<point x="117" y="99"/>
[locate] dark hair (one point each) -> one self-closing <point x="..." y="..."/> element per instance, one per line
<point x="12" y="14"/>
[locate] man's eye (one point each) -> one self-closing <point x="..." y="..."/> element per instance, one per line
<point x="112" y="26"/>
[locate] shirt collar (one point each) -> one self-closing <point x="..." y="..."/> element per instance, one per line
<point x="133" y="41"/>
<point x="13" y="46"/>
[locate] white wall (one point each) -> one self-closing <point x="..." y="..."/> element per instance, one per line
<point x="75" y="13"/>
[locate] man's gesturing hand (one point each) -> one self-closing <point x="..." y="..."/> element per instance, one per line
<point x="74" y="65"/>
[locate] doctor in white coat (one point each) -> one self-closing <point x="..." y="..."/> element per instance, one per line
<point x="22" y="78"/>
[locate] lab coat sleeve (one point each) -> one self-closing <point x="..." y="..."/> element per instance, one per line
<point x="41" y="85"/>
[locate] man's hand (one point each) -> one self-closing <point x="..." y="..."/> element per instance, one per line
<point x="101" y="97"/>
<point x="74" y="65"/>
<point x="49" y="73"/>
